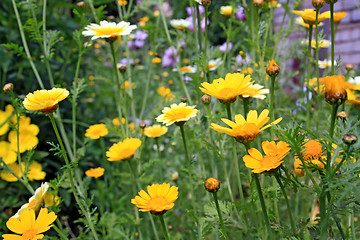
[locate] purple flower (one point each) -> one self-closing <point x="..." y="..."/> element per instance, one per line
<point x="168" y="59"/>
<point x="187" y="79"/>
<point x="240" y="15"/>
<point x="223" y="47"/>
<point x="140" y="35"/>
<point x="202" y="23"/>
<point x="125" y="62"/>
<point x="201" y="10"/>
<point x="139" y="43"/>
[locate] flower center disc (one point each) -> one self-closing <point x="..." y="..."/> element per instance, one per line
<point x="158" y="203"/>
<point x="29" y="234"/>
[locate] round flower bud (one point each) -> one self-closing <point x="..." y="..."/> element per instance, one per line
<point x="212" y="185"/>
<point x="318" y="3"/>
<point x="335" y="93"/>
<point x="330" y="1"/>
<point x="80" y="4"/>
<point x="184" y="99"/>
<point x="142" y="125"/>
<point x="122" y="68"/>
<point x="175" y="176"/>
<point x="342" y="116"/>
<point x="206" y="3"/>
<point x="206" y="99"/>
<point x="349" y="67"/>
<point x="258" y="3"/>
<point x="272" y="69"/>
<point x="349" y="138"/>
<point x="9" y="87"/>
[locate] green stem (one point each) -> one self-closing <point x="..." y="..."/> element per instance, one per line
<point x="228" y="110"/>
<point x="272" y="96"/>
<point x="220" y="215"/>
<point x="61" y="234"/>
<point x="263" y="207"/>
<point x="308" y="76"/>
<point x="331" y="134"/>
<point x="163" y="226"/>
<point x="71" y="178"/>
<point x="317" y="68"/>
<point x="199" y="31"/>
<point x="26" y="48"/>
<point x="184" y="141"/>
<point x="323" y="215"/>
<point x="332" y="39"/>
<point x="246" y="102"/>
<point x="93" y="10"/>
<point x="287" y="203"/>
<point x="74" y="104"/>
<point x="205" y="43"/>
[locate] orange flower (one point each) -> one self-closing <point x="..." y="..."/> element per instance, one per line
<point x="309" y="16"/>
<point x="335" y="92"/>
<point x="339" y="15"/>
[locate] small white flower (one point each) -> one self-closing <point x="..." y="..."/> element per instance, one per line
<point x="214" y="64"/>
<point x="325" y="64"/>
<point x="186" y="69"/>
<point x="180" y="24"/>
<point x="108" y="29"/>
<point x="355" y="80"/>
<point x="255" y="91"/>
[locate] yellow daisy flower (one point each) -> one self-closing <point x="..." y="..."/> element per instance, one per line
<point x="338" y="16"/>
<point x="155" y="131"/>
<point x="35" y="172"/>
<point x="166" y="93"/>
<point x="226" y="10"/>
<point x="227" y="90"/>
<point x="335" y="92"/>
<point x="158" y="200"/>
<point x="309" y="16"/>
<point x="246" y="130"/>
<point x="123" y="151"/>
<point x="29" y="227"/>
<point x="108" y="29"/>
<point x="177" y="114"/>
<point x="36" y="201"/>
<point x="27" y="136"/>
<point x="9" y="177"/>
<point x="274" y="153"/>
<point x="6" y="153"/>
<point x="4" y="115"/>
<point x="96" y="131"/>
<point x="95" y="172"/>
<point x="45" y="101"/>
<point x="300" y="21"/>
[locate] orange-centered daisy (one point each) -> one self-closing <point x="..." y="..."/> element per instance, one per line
<point x="95" y="172"/>
<point x="96" y="131"/>
<point x="158" y="200"/>
<point x="45" y="101"/>
<point x="274" y="153"/>
<point x="155" y="131"/>
<point x="28" y="227"/>
<point x="246" y="130"/>
<point x="177" y="114"/>
<point x="108" y="29"/>
<point x="124" y="150"/>
<point x="226" y="90"/>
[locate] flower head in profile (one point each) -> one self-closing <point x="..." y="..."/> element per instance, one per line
<point x="338" y="16"/>
<point x="123" y="151"/>
<point x="96" y="131"/>
<point x="274" y="153"/>
<point x="108" y="30"/>
<point x="29" y="227"/>
<point x="95" y="172"/>
<point x="226" y="90"/>
<point x="335" y="92"/>
<point x="155" y="131"/>
<point x="180" y="24"/>
<point x="309" y="16"/>
<point x="226" y="10"/>
<point x="36" y="201"/>
<point x="246" y="130"/>
<point x="45" y="101"/>
<point x="213" y="64"/>
<point x="186" y="69"/>
<point x="255" y="91"/>
<point x="158" y="199"/>
<point x="177" y="113"/>
<point x="300" y="21"/>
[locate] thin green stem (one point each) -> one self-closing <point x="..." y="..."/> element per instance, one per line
<point x="263" y="207"/>
<point x="228" y="110"/>
<point x="59" y="231"/>
<point x="272" y="97"/>
<point x="332" y="39"/>
<point x="317" y="68"/>
<point x="205" y="43"/>
<point x="308" y="76"/>
<point x="91" y="3"/>
<point x="163" y="226"/>
<point x="26" y="48"/>
<point x="220" y="215"/>
<point x="199" y="31"/>
<point x="331" y="134"/>
<point x="74" y="104"/>
<point x="246" y="103"/>
<point x="71" y="178"/>
<point x="282" y="188"/>
<point x="184" y="141"/>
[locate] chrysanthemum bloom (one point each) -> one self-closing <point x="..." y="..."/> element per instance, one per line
<point x="309" y="16"/>
<point x="212" y="185"/>
<point x="155" y="131"/>
<point x="180" y="24"/>
<point x="226" y="10"/>
<point x="166" y="93"/>
<point x="96" y="131"/>
<point x="45" y="101"/>
<point x="108" y="30"/>
<point x="123" y="151"/>
<point x="255" y="91"/>
<point x="6" y="153"/>
<point x="300" y="21"/>
<point x="322" y="43"/>
<point x="227" y="90"/>
<point x="214" y="64"/>
<point x="338" y="16"/>
<point x="156" y="60"/>
<point x="123" y="2"/>
<point x="9" y="177"/>
<point x="353" y="98"/>
<point x="272" y="69"/>
<point x="27" y="136"/>
<point x="51" y="199"/>
<point x="28" y="227"/>
<point x="274" y="153"/>
<point x="4" y="115"/>
<point x="35" y="172"/>
<point x="95" y="172"/>
<point x="335" y="92"/>
<point x="158" y="200"/>
<point x="36" y="201"/>
<point x="177" y="113"/>
<point x="246" y="130"/>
